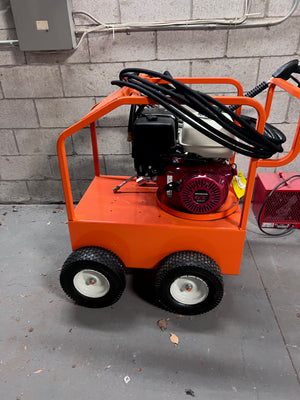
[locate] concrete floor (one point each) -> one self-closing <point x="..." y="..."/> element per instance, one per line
<point x="247" y="348"/>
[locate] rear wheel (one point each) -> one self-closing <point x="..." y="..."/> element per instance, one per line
<point x="93" y="277"/>
<point x="189" y="283"/>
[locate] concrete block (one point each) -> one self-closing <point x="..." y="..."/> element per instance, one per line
<point x="62" y="112"/>
<point x="107" y="11"/>
<point x="136" y="46"/>
<point x="8" y="33"/>
<point x="293" y="167"/>
<point x="294" y="110"/>
<point x="31" y="81"/>
<point x="257" y="7"/>
<point x="119" y="165"/>
<point x="242" y="163"/>
<point x="82" y="186"/>
<point x="176" y="68"/>
<point x="6" y="18"/>
<point x="277" y="40"/>
<point x="13" y="192"/>
<point x="89" y="80"/>
<point x="118" y="117"/>
<point x="278" y="110"/>
<point x="54" y="167"/>
<point x="110" y="141"/>
<point x="7" y="143"/>
<point x="80" y="167"/>
<point x="24" y="167"/>
<point x="48" y="191"/>
<point x="78" y="188"/>
<point x="214" y="9"/>
<point x="268" y="65"/>
<point x="18" y="114"/>
<point x="289" y="131"/>
<point x="244" y="70"/>
<point x="113" y="141"/>
<point x="82" y="142"/>
<point x="156" y="10"/>
<point x="266" y="170"/>
<point x="40" y="141"/>
<point x="277" y="8"/>
<point x="80" y="55"/>
<point x="191" y="44"/>
<point x="10" y="55"/>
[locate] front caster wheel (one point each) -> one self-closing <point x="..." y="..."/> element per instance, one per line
<point x="189" y="283"/>
<point x="93" y="277"/>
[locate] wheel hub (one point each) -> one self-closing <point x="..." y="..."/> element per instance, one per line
<point x="189" y="290"/>
<point x="91" y="283"/>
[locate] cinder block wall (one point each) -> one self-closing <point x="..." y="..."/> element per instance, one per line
<point x="43" y="93"/>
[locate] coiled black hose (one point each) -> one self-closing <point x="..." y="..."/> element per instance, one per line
<point x="179" y="99"/>
<point x="252" y="93"/>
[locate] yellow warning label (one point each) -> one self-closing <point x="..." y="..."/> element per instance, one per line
<point x="239" y="184"/>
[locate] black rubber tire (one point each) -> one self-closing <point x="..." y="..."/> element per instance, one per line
<point x="191" y="263"/>
<point x="99" y="260"/>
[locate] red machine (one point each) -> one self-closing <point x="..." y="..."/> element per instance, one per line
<point x="281" y="208"/>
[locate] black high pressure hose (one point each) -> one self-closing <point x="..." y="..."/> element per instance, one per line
<point x="176" y="97"/>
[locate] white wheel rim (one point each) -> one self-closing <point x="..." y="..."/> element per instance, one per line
<point x="189" y="290"/>
<point x="91" y="283"/>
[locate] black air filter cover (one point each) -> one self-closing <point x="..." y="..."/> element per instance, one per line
<point x="154" y="134"/>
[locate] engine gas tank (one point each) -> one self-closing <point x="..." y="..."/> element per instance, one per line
<point x="196" y="142"/>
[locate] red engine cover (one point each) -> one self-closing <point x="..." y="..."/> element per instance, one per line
<point x="198" y="189"/>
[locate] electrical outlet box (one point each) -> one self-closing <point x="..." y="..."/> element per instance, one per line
<point x="44" y="24"/>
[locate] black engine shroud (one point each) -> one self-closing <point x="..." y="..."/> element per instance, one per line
<point x="154" y="136"/>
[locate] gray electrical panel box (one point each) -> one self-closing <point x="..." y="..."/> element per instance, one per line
<point x="44" y="24"/>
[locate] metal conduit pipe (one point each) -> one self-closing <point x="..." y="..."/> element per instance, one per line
<point x="242" y="22"/>
<point x="9" y="42"/>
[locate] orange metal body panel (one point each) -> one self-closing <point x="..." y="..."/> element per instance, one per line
<point x="132" y="224"/>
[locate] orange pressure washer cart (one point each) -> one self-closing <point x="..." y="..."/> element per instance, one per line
<point x="134" y="228"/>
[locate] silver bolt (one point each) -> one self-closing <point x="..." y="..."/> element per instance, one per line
<point x="187" y="287"/>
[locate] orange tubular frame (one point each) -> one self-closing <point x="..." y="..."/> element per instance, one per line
<point x="132" y="224"/>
